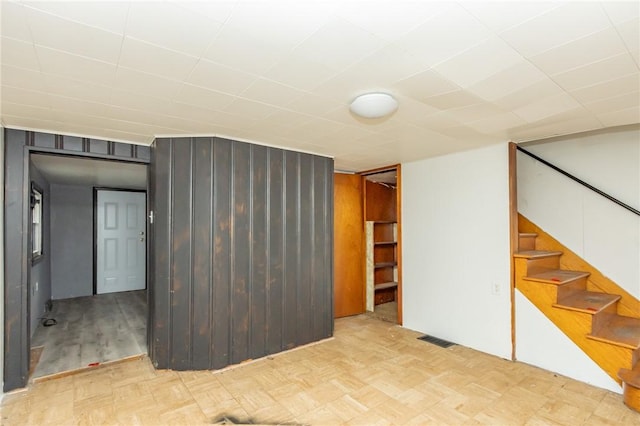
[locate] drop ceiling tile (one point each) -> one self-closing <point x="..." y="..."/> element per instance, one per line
<point x="592" y="48"/>
<point x="287" y="118"/>
<point x="79" y="106"/>
<point x="312" y="104"/>
<point x="616" y="103"/>
<point x="152" y="59"/>
<point x="529" y="94"/>
<point x="77" y="67"/>
<point x="252" y="110"/>
<point x="546" y="107"/>
<point x="445" y="35"/>
<point x="244" y="52"/>
<point x="145" y="83"/>
<point x="170" y="26"/>
<point x="122" y="113"/>
<point x="618" y="86"/>
<point x="621" y="11"/>
<point x="19" y="54"/>
<point x="219" y="77"/>
<point x="77" y="39"/>
<point x="107" y="15"/>
<point x="22" y="110"/>
<point x="327" y="46"/>
<point x="300" y="72"/>
<point x="203" y="98"/>
<point x="480" y="62"/>
<point x="388" y="23"/>
<point x="438" y="121"/>
<point x="22" y="78"/>
<point x="630" y="33"/>
<point x="620" y="118"/>
<point x="425" y="85"/>
<point x="386" y="65"/>
<point x="412" y="111"/>
<point x="536" y="132"/>
<point x="218" y="11"/>
<point x="497" y="124"/>
<point x="25" y="97"/>
<point x="557" y="27"/>
<point x="137" y="101"/>
<point x="72" y="88"/>
<point x="502" y="15"/>
<point x="13" y="21"/>
<point x="510" y="80"/>
<point x="475" y="112"/>
<point x="588" y="75"/>
<point x="451" y="100"/>
<point x="271" y="92"/>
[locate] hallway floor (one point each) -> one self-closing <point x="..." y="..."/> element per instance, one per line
<point x="371" y="372"/>
<point x="90" y="329"/>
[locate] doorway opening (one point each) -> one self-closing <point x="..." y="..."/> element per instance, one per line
<point x="71" y="325"/>
<point x="383" y="284"/>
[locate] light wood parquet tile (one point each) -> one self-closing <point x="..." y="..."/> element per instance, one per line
<point x="371" y="373"/>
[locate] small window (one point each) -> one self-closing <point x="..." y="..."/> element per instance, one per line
<point x="36" y="222"/>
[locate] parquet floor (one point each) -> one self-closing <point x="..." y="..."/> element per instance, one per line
<point x="371" y="373"/>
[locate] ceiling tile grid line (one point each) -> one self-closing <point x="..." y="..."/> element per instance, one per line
<point x="465" y="73"/>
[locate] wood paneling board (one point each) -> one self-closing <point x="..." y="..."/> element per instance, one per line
<point x="241" y="253"/>
<point x="258" y="214"/>
<point x="291" y="249"/>
<point x="18" y="146"/>
<point x="181" y="255"/>
<point x="202" y="252"/>
<point x="221" y="268"/>
<point x="259" y="251"/>
<point x="275" y="254"/>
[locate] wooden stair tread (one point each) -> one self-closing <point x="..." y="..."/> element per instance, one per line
<point x="528" y="234"/>
<point x="383" y="286"/>
<point x="590" y="302"/>
<point x="536" y="254"/>
<point x="557" y="276"/>
<point x="619" y="330"/>
<point x="630" y="377"/>
<point x="384" y="264"/>
<point x="384" y="243"/>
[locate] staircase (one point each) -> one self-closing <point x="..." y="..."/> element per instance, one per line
<point x="606" y="326"/>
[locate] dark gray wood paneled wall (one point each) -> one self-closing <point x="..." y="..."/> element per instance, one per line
<point x="241" y="264"/>
<point x="18" y="145"/>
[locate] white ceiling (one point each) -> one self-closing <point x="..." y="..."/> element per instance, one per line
<point x="283" y="73"/>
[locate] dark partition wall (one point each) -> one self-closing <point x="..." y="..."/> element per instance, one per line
<point x="241" y="262"/>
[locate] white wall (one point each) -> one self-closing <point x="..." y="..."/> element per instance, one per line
<point x="455" y="247"/>
<point x="599" y="231"/>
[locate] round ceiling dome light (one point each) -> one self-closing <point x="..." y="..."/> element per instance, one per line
<point x="374" y="105"/>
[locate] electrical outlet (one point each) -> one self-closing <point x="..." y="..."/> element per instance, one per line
<point x="495" y="289"/>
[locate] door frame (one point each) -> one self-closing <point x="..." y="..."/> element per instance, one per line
<point x="397" y="168"/>
<point x="18" y="146"/>
<point x="95" y="232"/>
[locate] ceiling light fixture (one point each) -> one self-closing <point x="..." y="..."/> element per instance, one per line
<point x="374" y="105"/>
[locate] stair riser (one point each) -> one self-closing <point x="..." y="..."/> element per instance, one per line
<point x="571" y="287"/>
<point x="537" y="266"/>
<point x="526" y="242"/>
<point x="635" y="359"/>
<point x="601" y="319"/>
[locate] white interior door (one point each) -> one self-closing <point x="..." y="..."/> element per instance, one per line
<point x="121" y="241"/>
